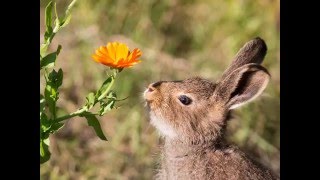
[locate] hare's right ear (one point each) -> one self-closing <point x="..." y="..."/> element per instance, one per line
<point x="245" y="79"/>
<point x="253" y="51"/>
<point x="241" y="86"/>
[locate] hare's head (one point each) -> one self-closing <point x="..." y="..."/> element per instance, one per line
<point x="195" y="110"/>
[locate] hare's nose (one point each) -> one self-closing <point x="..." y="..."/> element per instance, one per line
<point x="151" y="88"/>
<point x="157" y="83"/>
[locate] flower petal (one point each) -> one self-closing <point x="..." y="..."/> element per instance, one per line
<point x="122" y="52"/>
<point x="104" y="50"/>
<point x="98" y="59"/>
<point x="136" y="54"/>
<point x="99" y="53"/>
<point x="111" y="50"/>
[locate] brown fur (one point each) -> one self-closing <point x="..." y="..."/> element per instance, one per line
<point x="195" y="146"/>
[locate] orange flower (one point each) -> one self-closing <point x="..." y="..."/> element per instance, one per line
<point x="117" y="55"/>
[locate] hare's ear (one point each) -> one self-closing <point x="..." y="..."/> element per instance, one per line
<point x="241" y="86"/>
<point x="253" y="51"/>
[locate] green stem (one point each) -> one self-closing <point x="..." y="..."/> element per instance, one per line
<point x="54" y="113"/>
<point x="77" y="113"/>
<point x="108" y="89"/>
<point x="115" y="71"/>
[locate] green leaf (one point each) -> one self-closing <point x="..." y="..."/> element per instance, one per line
<point x="48" y="16"/>
<point x="90" y="100"/>
<point x="42" y="103"/>
<point x="112" y="95"/>
<point x="51" y="94"/>
<point x="57" y="21"/>
<point x="55" y="78"/>
<point x="59" y="49"/>
<point x="104" y="89"/>
<point x="47" y="141"/>
<point x="47" y="94"/>
<point x="45" y="124"/>
<point x="94" y="122"/>
<point x="50" y="97"/>
<point x="107" y="106"/>
<point x="43" y="49"/>
<point x="57" y="25"/>
<point x="48" y="35"/>
<point x="70" y="6"/>
<point x="55" y="127"/>
<point x="65" y="20"/>
<point x="44" y="151"/>
<point x="49" y="60"/>
<point x="59" y="78"/>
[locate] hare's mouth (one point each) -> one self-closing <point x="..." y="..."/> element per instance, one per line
<point x="148" y="99"/>
<point x="149" y="105"/>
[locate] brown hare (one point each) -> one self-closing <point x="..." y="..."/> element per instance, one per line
<point x="192" y="115"/>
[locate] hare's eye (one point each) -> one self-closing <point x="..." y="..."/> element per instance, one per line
<point x="184" y="99"/>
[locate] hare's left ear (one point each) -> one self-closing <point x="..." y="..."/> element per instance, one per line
<point x="241" y="86"/>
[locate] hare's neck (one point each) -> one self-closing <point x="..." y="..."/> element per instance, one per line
<point x="179" y="149"/>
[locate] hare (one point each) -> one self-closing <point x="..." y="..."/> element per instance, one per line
<point x="191" y="115"/>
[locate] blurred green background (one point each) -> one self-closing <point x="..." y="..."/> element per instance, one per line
<point x="178" y="39"/>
